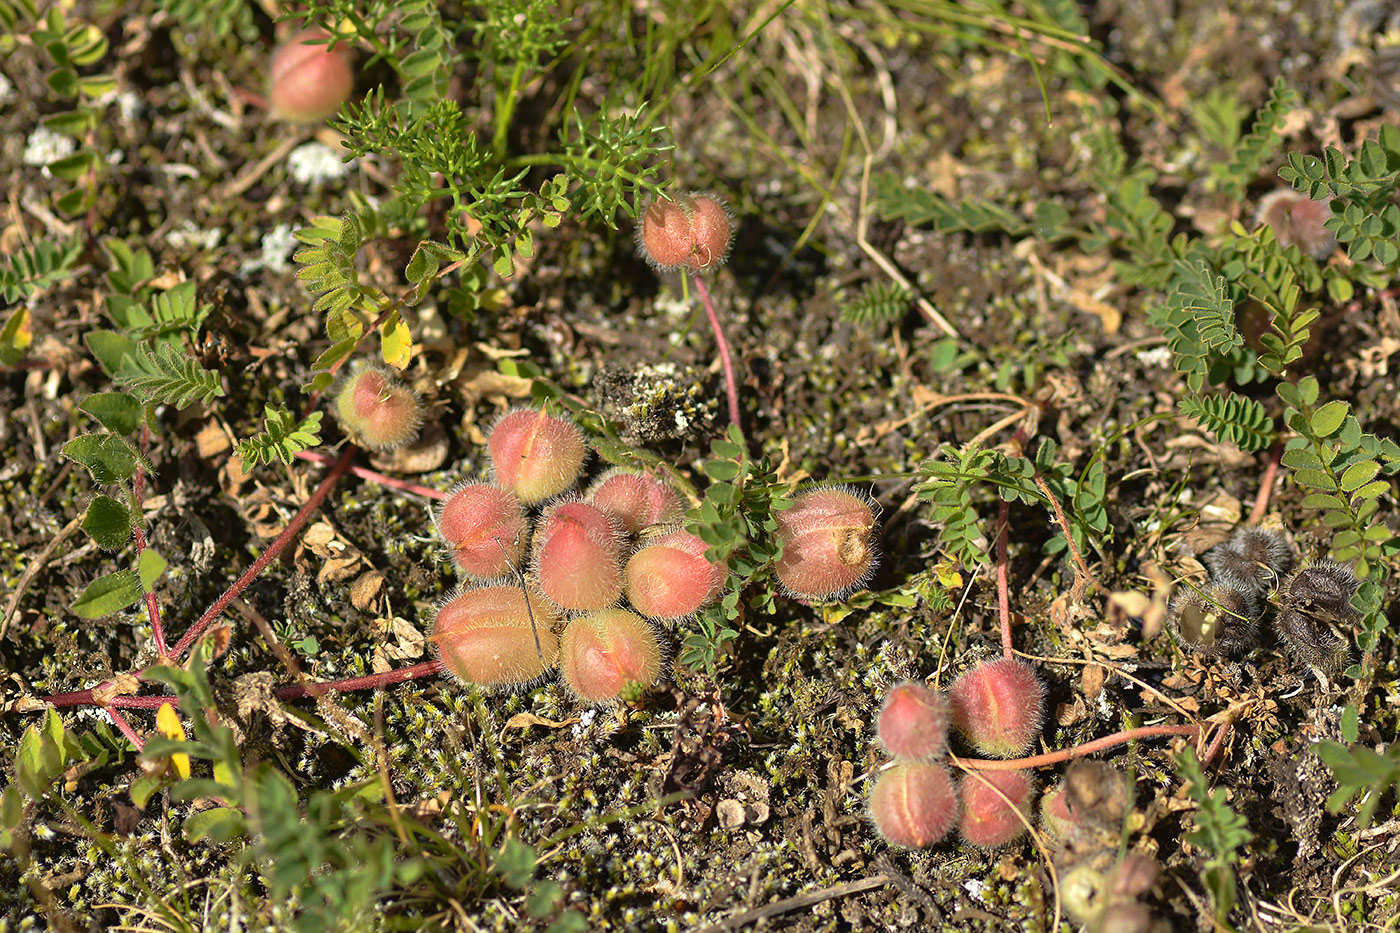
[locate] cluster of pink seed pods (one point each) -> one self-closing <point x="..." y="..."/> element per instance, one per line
<point x="549" y="569"/>
<point x="997" y="706"/>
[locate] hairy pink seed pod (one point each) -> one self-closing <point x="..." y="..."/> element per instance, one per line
<point x="639" y="500"/>
<point x="998" y="706"/>
<point x="986" y="818"/>
<point x="694" y="231"/>
<point x="914" y="722"/>
<point x="577" y="557"/>
<point x="669" y="578"/>
<point x="534" y="454"/>
<point x="603" y="653"/>
<point x="485" y="527"/>
<point x="1297" y="220"/>
<point x="1056" y="818"/>
<point x="828" y="549"/>
<point x="914" y="804"/>
<point x="308" y="83"/>
<point x="376" y="410"/>
<point x="493" y="636"/>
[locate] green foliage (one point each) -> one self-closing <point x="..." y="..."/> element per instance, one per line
<point x="1365" y="218"/>
<point x="163" y="375"/>
<point x="878" y="303"/>
<point x="1219" y="832"/>
<point x="1234" y="418"/>
<point x="736" y="521"/>
<point x="1359" y="770"/>
<point x="219" y="18"/>
<point x="281" y="439"/>
<point x="1136" y="224"/>
<point x="949" y="480"/>
<point x="1198" y="320"/>
<point x="72" y="49"/>
<point x="31" y="269"/>
<point x="1256" y="150"/>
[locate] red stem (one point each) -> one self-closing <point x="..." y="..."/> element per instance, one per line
<point x="1003" y="589"/>
<point x="396" y="676"/>
<point x="389" y="481"/>
<point x="1078" y="751"/>
<point x="729" y="382"/>
<point x="293" y="528"/>
<point x="120" y="721"/>
<point x="137" y="488"/>
<point x="1266" y="486"/>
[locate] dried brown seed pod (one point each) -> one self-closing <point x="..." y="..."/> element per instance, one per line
<point x="1220" y="618"/>
<point x="1258" y="555"/>
<point x="1316" y="614"/>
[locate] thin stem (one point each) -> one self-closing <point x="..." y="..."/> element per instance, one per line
<point x="505" y="110"/>
<point x="729" y="382"/>
<point x="1003" y="589"/>
<point x="138" y="484"/>
<point x="120" y="722"/>
<point x="1078" y="751"/>
<point x="1069" y="538"/>
<point x="368" y="682"/>
<point x="293" y="528"/>
<point x="313" y="456"/>
<point x="564" y="160"/>
<point x="1266" y="486"/>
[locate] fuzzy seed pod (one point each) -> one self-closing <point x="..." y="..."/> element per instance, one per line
<point x="1219" y="619"/>
<point x="1316" y="615"/>
<point x="987" y="819"/>
<point x="914" y="722"/>
<point x="577" y="553"/>
<point x="1299" y="221"/>
<point x="1258" y="555"/>
<point x="535" y="455"/>
<point x="998" y="706"/>
<point x="828" y="544"/>
<point x="308" y="83"/>
<point x="603" y="653"/>
<point x="669" y="577"/>
<point x="376" y="410"/>
<point x="485" y="527"/>
<point x="914" y="804"/>
<point x="496" y="637"/>
<point x="1055" y="815"/>
<point x="639" y="500"/>
<point x="693" y="231"/>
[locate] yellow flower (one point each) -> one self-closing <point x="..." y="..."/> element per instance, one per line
<point x="168" y="725"/>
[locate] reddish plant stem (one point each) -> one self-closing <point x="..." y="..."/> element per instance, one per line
<point x="291" y="531"/>
<point x="1003" y="587"/>
<point x="120" y="722"/>
<point x="730" y="384"/>
<point x="1078" y="751"/>
<point x="1266" y="486"/>
<point x="289" y="692"/>
<point x="1069" y="537"/>
<point x="389" y="481"/>
<point x="370" y="681"/>
<point x="138" y="484"/>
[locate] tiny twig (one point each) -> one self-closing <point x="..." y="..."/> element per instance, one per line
<point x="137" y="488"/>
<point x="1082" y="567"/>
<point x="32" y="570"/>
<point x="730" y="384"/>
<point x="797" y="902"/>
